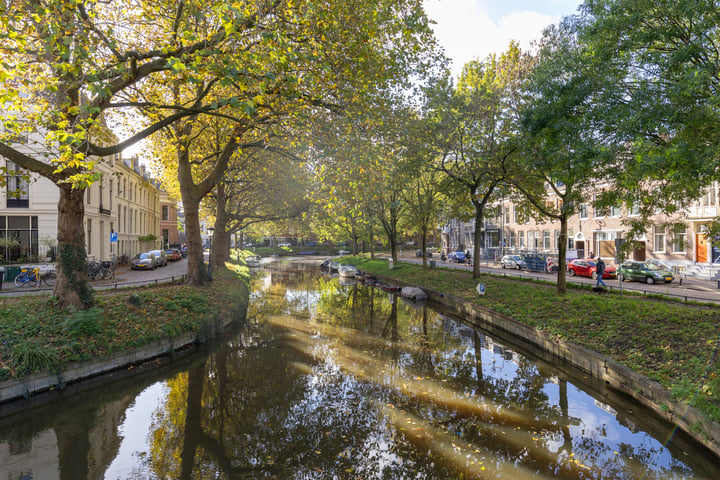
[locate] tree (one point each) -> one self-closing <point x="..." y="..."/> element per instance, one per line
<point x="260" y="186"/>
<point x="477" y="125"/>
<point x="67" y="66"/>
<point x="663" y="55"/>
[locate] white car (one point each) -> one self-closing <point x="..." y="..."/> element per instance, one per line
<point x="284" y="244"/>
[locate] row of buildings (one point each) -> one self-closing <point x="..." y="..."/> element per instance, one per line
<point x="674" y="242"/>
<point x="126" y="212"/>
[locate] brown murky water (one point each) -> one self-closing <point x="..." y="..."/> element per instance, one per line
<point x="333" y="381"/>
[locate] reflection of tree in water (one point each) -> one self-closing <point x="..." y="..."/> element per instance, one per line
<point x="273" y="406"/>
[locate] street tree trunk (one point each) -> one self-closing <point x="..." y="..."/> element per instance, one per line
<point x="562" y="256"/>
<point x="72" y="287"/>
<point x="196" y="272"/>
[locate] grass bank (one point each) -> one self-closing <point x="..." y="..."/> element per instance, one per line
<point x="673" y="343"/>
<point x="38" y="336"/>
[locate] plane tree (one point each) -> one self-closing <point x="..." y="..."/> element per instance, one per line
<point x="476" y="128"/>
<point x="298" y="59"/>
<point x="664" y="55"/>
<point x="566" y="152"/>
<point x="259" y="186"/>
<point x="67" y="66"/>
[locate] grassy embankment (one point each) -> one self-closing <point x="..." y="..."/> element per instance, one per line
<point x="673" y="343"/>
<point x="38" y="336"/>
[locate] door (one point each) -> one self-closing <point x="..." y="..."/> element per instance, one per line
<point x="702" y="248"/>
<point x="639" y="253"/>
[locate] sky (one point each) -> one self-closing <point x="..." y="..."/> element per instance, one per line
<point x="473" y="29"/>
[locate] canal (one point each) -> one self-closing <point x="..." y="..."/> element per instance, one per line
<point x="335" y="380"/>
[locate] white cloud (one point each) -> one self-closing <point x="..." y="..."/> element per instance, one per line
<point x="467" y="33"/>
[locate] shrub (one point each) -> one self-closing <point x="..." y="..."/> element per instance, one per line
<point x="29" y="357"/>
<point x="83" y="323"/>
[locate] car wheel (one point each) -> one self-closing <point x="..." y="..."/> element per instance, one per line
<point x="650" y="280"/>
<point x="502" y="265"/>
<point x="571" y="272"/>
<point x="620" y="277"/>
<point x="518" y="267"/>
<point x="593" y="275"/>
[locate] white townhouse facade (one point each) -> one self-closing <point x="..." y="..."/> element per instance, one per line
<point x="124" y="202"/>
<point x="680" y="240"/>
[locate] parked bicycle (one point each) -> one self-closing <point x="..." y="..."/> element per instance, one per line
<point x="103" y="269"/>
<point x="28" y="276"/>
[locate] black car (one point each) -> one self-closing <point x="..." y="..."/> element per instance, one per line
<point x="418" y="253"/>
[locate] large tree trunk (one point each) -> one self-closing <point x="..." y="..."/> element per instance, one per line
<point x="220" y="247"/>
<point x="196" y="272"/>
<point x="477" y="235"/>
<point x="72" y="287"/>
<point x="562" y="257"/>
<point x="221" y="240"/>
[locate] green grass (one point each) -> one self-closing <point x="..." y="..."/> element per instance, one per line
<point x="671" y="342"/>
<point x="38" y="336"/>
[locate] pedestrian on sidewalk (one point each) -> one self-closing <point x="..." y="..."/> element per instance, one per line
<point x="600" y="270"/>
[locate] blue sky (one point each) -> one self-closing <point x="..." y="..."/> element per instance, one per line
<point x="473" y="29"/>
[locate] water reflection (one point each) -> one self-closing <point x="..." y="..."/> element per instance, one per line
<point x="344" y="381"/>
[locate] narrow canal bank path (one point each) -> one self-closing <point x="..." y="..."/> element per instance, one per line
<point x="38" y="338"/>
<point x="672" y="343"/>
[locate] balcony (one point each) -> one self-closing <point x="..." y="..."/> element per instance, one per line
<point x="104" y="211"/>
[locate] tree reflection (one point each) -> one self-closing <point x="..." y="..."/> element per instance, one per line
<point x="333" y="395"/>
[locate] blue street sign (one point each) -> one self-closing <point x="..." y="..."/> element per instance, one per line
<point x="113" y="237"/>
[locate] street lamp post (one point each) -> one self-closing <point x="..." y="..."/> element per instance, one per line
<point x="211" y="230"/>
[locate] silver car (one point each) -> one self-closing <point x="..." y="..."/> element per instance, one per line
<point x="160" y="257"/>
<point x="513" y="261"/>
<point x="143" y="261"/>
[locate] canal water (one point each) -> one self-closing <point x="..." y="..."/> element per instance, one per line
<point x="335" y="380"/>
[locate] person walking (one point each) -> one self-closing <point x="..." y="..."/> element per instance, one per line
<point x="600" y="270"/>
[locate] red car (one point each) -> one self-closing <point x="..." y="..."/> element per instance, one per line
<point x="173" y="254"/>
<point x="587" y="267"/>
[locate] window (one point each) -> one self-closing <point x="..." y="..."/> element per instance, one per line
<point x="165" y="213"/>
<point x="510" y="240"/>
<point x="679" y="242"/>
<point x="659" y="238"/>
<point x="24" y="230"/>
<point x="533" y="239"/>
<point x="546" y="240"/>
<point x="583" y="211"/>
<point x="506" y="214"/>
<point x="89" y="236"/>
<point x="615" y="211"/>
<point x="570" y="240"/>
<point x="633" y="210"/>
<point x="17" y="187"/>
<point x="521" y="239"/>
<point x="557" y="240"/>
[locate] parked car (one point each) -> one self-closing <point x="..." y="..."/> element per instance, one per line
<point x="143" y="261"/>
<point x="173" y="254"/>
<point x="183" y="251"/>
<point x="284" y="244"/>
<point x="161" y="258"/>
<point x="587" y="267"/>
<point x="644" y="272"/>
<point x="513" y="261"/>
<point x="418" y="253"/>
<point x="457" y="257"/>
